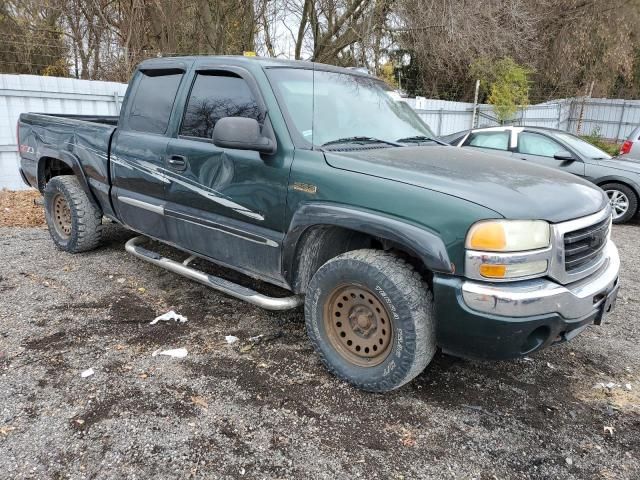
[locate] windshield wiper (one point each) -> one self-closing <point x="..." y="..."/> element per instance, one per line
<point x="420" y="139"/>
<point x="360" y="140"/>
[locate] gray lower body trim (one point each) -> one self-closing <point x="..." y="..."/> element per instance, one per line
<point x="150" y="207"/>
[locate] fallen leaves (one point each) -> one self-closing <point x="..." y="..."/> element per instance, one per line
<point x="18" y="209"/>
<point x="6" y="430"/>
<point x="200" y="402"/>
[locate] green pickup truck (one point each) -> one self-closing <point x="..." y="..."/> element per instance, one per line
<point x="319" y="180"/>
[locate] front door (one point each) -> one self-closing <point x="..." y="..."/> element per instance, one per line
<point x="222" y="203"/>
<point x="540" y="149"/>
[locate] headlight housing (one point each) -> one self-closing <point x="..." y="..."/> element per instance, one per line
<point x="508" y="235"/>
<point x="508" y="249"/>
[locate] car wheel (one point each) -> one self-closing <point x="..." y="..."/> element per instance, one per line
<point x="623" y="201"/>
<point x="369" y="316"/>
<point x="74" y="221"/>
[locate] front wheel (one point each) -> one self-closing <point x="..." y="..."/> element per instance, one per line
<point x="369" y="316"/>
<point x="623" y="201"/>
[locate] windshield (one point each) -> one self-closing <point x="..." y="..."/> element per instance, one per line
<point x="326" y="107"/>
<point x="582" y="147"/>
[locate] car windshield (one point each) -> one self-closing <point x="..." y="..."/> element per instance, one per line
<point x="582" y="147"/>
<point x="330" y="108"/>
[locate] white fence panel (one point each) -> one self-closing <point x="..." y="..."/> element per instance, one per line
<point x="32" y="93"/>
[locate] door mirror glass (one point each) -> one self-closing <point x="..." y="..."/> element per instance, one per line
<point x="241" y="133"/>
<point x="564" y="155"/>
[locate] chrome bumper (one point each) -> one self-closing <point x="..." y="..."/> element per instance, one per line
<point x="542" y="296"/>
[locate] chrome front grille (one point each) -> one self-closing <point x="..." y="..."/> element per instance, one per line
<point x="579" y="246"/>
<point x="583" y="246"/>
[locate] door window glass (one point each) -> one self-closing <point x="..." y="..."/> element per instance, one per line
<point x="216" y="96"/>
<point x="535" y="144"/>
<point x="151" y="106"/>
<point x="495" y="140"/>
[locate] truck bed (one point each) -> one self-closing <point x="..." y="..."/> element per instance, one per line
<point x="82" y="142"/>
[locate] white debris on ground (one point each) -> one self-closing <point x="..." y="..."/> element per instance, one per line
<point x="175" y="353"/>
<point x="87" y="373"/>
<point x="167" y="317"/>
<point x="231" y="339"/>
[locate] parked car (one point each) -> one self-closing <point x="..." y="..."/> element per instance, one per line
<point x="630" y="149"/>
<point x="617" y="176"/>
<point x="315" y="179"/>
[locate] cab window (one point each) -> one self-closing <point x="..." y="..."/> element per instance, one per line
<point x="493" y="140"/>
<point x="215" y="96"/>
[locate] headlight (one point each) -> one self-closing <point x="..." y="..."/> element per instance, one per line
<point x="508" y="249"/>
<point x="508" y="235"/>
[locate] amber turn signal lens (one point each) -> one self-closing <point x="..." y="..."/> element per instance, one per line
<point x="493" y="271"/>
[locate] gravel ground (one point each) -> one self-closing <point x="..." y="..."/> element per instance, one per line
<point x="269" y="410"/>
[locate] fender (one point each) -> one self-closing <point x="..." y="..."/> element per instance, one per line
<point x="422" y="243"/>
<point x="72" y="162"/>
<point x="615" y="178"/>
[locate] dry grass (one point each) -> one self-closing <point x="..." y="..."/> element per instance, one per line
<point x="19" y="209"/>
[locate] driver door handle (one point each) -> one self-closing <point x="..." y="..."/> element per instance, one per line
<point x="177" y="162"/>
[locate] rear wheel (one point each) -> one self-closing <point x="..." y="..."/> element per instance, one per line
<point x="369" y="316"/>
<point x="74" y="221"/>
<point x="623" y="201"/>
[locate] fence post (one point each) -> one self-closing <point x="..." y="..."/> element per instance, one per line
<point x="475" y="105"/>
<point x="559" y="115"/>
<point x="117" y="102"/>
<point x="624" y="104"/>
<point x="440" y="121"/>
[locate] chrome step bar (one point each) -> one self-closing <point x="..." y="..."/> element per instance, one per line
<point x="225" y="286"/>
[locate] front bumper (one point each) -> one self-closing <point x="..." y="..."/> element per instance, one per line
<point x="507" y="320"/>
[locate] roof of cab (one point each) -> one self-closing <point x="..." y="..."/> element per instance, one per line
<point x="245" y="61"/>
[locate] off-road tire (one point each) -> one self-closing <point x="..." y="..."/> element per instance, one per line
<point x="405" y="295"/>
<point x="630" y="194"/>
<point x="85" y="217"/>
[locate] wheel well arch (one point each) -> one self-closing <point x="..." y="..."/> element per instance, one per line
<point x="49" y="167"/>
<point x="320" y="232"/>
<point x="626" y="183"/>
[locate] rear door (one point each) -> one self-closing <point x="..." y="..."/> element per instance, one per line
<point x="139" y="147"/>
<point x="539" y="148"/>
<point x="223" y="203"/>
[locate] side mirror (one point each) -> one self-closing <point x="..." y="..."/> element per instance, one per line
<point x="243" y="134"/>
<point x="564" y="155"/>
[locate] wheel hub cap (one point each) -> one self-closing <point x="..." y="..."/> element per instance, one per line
<point x="358" y="326"/>
<point x="619" y="203"/>
<point x="62" y="216"/>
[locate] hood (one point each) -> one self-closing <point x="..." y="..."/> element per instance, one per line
<point x="514" y="189"/>
<point x="624" y="163"/>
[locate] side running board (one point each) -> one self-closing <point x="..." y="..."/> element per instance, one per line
<point x="225" y="286"/>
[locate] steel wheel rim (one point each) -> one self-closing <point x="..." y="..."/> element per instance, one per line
<point x="619" y="203"/>
<point x="358" y="325"/>
<point x="61" y="216"/>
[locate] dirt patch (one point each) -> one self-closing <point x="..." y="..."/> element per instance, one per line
<point x="21" y="208"/>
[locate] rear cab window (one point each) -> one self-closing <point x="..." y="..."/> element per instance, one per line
<point x="153" y="100"/>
